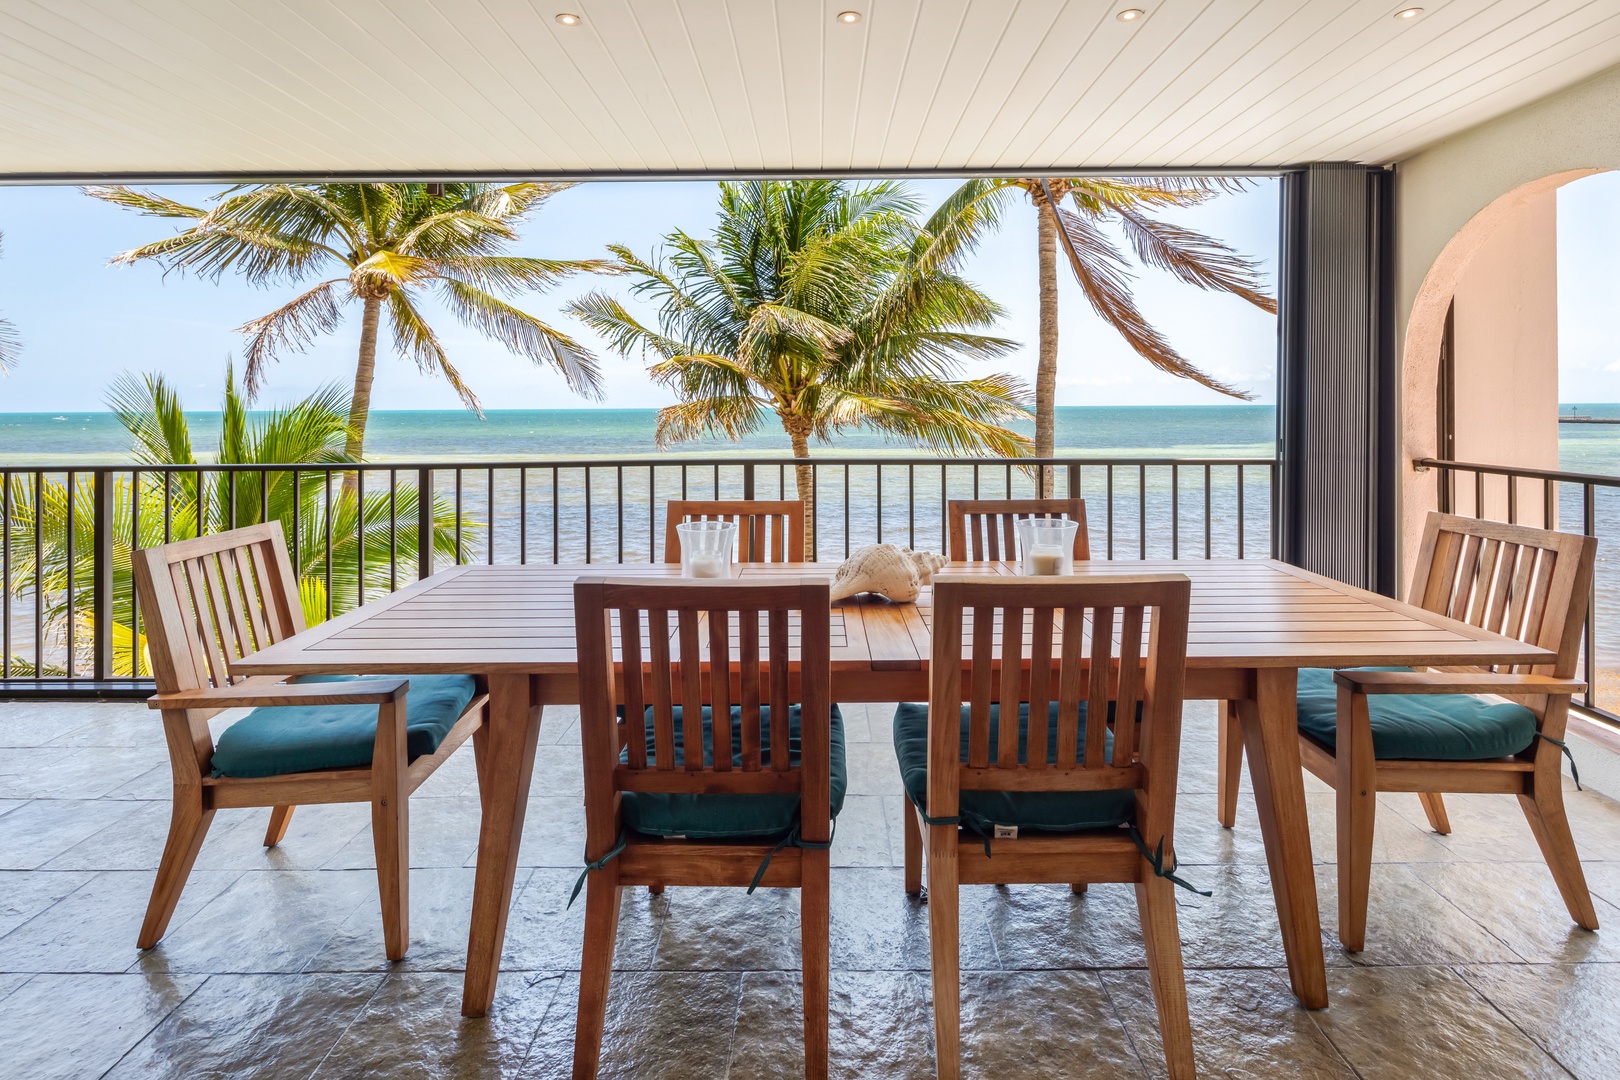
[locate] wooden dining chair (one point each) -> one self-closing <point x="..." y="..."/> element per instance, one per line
<point x="325" y="739"/>
<point x="1094" y="802"/>
<point x="767" y="530"/>
<point x="1367" y="730"/>
<point x="985" y="528"/>
<point x="759" y="813"/>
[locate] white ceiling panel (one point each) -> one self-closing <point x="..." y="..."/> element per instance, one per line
<point x="177" y="88"/>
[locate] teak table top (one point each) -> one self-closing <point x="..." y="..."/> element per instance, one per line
<point x="1246" y="614"/>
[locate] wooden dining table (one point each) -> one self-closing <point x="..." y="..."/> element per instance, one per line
<point x="1254" y="624"/>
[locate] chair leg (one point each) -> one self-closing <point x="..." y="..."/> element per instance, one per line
<point x="655" y="890"/>
<point x="1545" y="811"/>
<point x="1435" y="807"/>
<point x="815" y="931"/>
<point x="1156" y="907"/>
<point x="912" y="828"/>
<point x="391" y="828"/>
<point x="1078" y="888"/>
<point x="1230" y="753"/>
<point x="280" y="818"/>
<point x="602" y="893"/>
<point x="187" y="826"/>
<point x="944" y="935"/>
<point x="1357" y="792"/>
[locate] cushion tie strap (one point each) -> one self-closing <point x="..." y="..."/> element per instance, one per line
<point x="1564" y="746"/>
<point x="794" y="839"/>
<point x="599" y="864"/>
<point x="972" y="822"/>
<point x="1155" y="859"/>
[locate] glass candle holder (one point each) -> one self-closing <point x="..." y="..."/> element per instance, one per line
<point x="1046" y="546"/>
<point x="706" y="548"/>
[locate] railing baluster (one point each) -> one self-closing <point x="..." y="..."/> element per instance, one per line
<point x="911" y="506"/>
<point x="359" y="537"/>
<point x="426" y="535"/>
<point x="72" y="568"/>
<point x="39" y="576"/>
<point x="102" y="602"/>
<point x="1110" y="510"/>
<point x="393" y="530"/>
<point x="1141" y="510"/>
<point x="1175" y="511"/>
<point x="489" y="511"/>
<point x="1589" y="527"/>
<point x="556" y="531"/>
<point x="587" y="513"/>
<point x="1240" y="511"/>
<point x="1209" y="511"/>
<point x="5" y="575"/>
<point x="458" y="517"/>
<point x="326" y="495"/>
<point x="523" y="517"/>
<point x="619" y="487"/>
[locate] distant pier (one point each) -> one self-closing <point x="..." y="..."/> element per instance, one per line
<point x="1589" y="419"/>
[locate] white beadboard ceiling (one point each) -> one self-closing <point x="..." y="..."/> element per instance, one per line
<point x="154" y="88"/>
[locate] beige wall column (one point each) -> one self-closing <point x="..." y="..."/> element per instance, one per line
<point x="1505" y="348"/>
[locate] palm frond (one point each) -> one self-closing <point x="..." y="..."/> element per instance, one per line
<point x="149" y="409"/>
<point x="292" y="326"/>
<point x="1194" y="258"/>
<point x="1098" y="267"/>
<point x="524" y="334"/>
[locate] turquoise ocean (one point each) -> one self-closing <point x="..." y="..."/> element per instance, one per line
<point x="63" y="439"/>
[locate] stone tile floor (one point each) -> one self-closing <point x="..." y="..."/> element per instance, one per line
<point x="273" y="965"/>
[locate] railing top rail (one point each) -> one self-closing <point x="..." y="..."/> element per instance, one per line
<point x="608" y="460"/>
<point x="1595" y="479"/>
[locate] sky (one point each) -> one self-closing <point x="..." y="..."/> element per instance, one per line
<point x="82" y="322"/>
<point x="1589" y="289"/>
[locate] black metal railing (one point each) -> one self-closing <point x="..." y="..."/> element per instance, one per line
<point x="1588" y="503"/>
<point x="70" y="618"/>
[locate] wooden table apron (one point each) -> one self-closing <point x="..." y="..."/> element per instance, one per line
<point x="1254" y="624"/>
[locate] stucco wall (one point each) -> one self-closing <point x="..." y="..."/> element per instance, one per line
<point x="1506" y="357"/>
<point x="1450" y="200"/>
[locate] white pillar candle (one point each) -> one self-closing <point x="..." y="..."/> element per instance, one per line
<point x="1046" y="560"/>
<point x="707" y="566"/>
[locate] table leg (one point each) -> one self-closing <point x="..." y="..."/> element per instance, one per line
<point x="514" y="730"/>
<point x="1271" y="736"/>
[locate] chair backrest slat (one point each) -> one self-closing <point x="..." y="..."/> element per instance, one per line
<point x="691" y="684"/>
<point x="1012" y="687"/>
<point x="984" y="651"/>
<point x="634" y="691"/>
<point x="778" y="659"/>
<point x="1129" y="692"/>
<point x="748" y="687"/>
<point x="1040" y="686"/>
<point x="981" y="529"/>
<point x="1088" y="672"/>
<point x="1102" y="651"/>
<point x="1529" y="584"/>
<point x="662" y="694"/>
<point x="720" y="686"/>
<point x="768" y="530"/>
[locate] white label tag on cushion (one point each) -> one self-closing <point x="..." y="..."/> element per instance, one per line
<point x="1006" y="832"/>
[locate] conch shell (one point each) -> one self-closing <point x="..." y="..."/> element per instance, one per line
<point x="896" y="572"/>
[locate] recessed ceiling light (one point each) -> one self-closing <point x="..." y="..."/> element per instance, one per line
<point x="1409" y="13"/>
<point x="1130" y="14"/>
<point x="849" y="16"/>
<point x="568" y="18"/>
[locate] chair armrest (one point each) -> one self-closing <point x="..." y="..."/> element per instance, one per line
<point x="358" y="692"/>
<point x="1453" y="682"/>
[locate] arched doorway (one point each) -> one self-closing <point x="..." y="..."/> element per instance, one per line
<point x="1479" y="372"/>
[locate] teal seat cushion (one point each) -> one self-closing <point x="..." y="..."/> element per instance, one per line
<point x="1419" y="727"/>
<point x="713" y="817"/>
<point x="1040" y="811"/>
<point x="299" y="738"/>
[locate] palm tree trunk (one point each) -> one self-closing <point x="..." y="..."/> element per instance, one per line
<point x="360" y="404"/>
<point x="1046" y="367"/>
<point x="804" y="479"/>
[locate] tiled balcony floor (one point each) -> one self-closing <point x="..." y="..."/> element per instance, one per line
<point x="273" y="966"/>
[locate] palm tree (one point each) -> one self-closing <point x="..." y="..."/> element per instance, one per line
<point x="9" y="345"/>
<point x="185" y="504"/>
<point x="389" y="244"/>
<point x="826" y="304"/>
<point x="1101" y="267"/>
